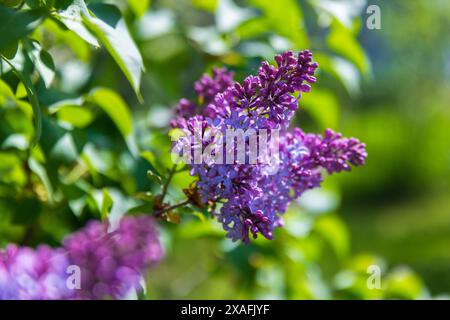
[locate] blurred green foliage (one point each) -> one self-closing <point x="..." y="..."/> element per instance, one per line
<point x="84" y="134"/>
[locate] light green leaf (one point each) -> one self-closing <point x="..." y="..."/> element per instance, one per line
<point x="114" y="106"/>
<point x="403" y="283"/>
<point x="107" y="203"/>
<point x="32" y="97"/>
<point x="72" y="111"/>
<point x="118" y="111"/>
<point x="335" y="232"/>
<point x="208" y="5"/>
<point x="139" y="7"/>
<point x="285" y="18"/>
<point x="342" y="41"/>
<point x="15" y="25"/>
<point x="323" y="106"/>
<point x="80" y="47"/>
<point x="111" y="30"/>
<point x="40" y="171"/>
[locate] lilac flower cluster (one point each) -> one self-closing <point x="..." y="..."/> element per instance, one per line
<point x="253" y="197"/>
<point x="111" y="264"/>
<point x="28" y="274"/>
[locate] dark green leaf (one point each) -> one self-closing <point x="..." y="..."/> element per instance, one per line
<point x="15" y="25"/>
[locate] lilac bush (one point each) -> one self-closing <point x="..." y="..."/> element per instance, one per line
<point x="248" y="198"/>
<point x="252" y="196"/>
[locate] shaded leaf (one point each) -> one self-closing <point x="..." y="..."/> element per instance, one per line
<point x="15" y="25"/>
<point x="42" y="61"/>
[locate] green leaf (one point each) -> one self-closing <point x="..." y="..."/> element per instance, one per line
<point x="42" y="61"/>
<point x="40" y="171"/>
<point x="208" y="5"/>
<point x="285" y="22"/>
<point x="151" y="159"/>
<point x="59" y="30"/>
<point x="229" y="15"/>
<point x="111" y="30"/>
<point x="72" y="111"/>
<point x="59" y="144"/>
<point x="335" y="232"/>
<point x="14" y="24"/>
<point x="139" y="7"/>
<point x="323" y="106"/>
<point x="118" y="111"/>
<point x="402" y="283"/>
<point x="72" y="17"/>
<point x="342" y="41"/>
<point x="114" y="106"/>
<point x="11" y="3"/>
<point x="32" y="98"/>
<point x="10" y="51"/>
<point x="342" y="70"/>
<point x="107" y="204"/>
<point x="11" y="169"/>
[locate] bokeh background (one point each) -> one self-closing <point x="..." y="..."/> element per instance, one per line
<point x="390" y="87"/>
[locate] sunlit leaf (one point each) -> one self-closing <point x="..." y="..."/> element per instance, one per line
<point x="229" y="15"/>
<point x="107" y="203"/>
<point x="208" y="5"/>
<point x="118" y="111"/>
<point x="79" y="46"/>
<point x="139" y="7"/>
<point x="111" y="30"/>
<point x="285" y="18"/>
<point x="322" y="106"/>
<point x="72" y="17"/>
<point x="334" y="231"/>
<point x="402" y="283"/>
<point x="343" y="42"/>
<point x="32" y="97"/>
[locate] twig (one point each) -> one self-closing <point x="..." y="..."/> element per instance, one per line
<point x="181" y="204"/>
<point x="166" y="185"/>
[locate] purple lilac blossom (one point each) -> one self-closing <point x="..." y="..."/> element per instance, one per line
<point x="111" y="263"/>
<point x="29" y="274"/>
<point x="253" y="197"/>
